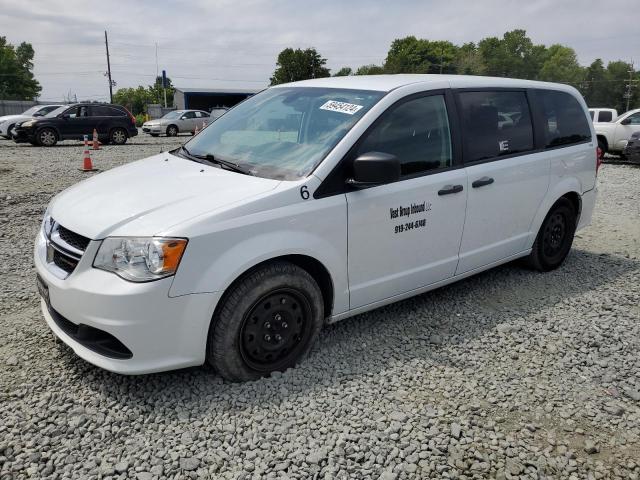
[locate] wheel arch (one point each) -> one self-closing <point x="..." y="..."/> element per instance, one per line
<point x="118" y="127"/>
<point x="311" y="265"/>
<point x="568" y="188"/>
<point x="602" y="137"/>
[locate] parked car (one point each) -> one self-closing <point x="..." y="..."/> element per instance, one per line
<point x="113" y="123"/>
<point x="603" y="114"/>
<point x="217" y="112"/>
<point x="7" y="122"/>
<point x="613" y="136"/>
<point x="175" y="122"/>
<point x="632" y="149"/>
<point x="306" y="204"/>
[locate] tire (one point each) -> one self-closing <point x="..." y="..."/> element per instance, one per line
<point x="172" y="131"/>
<point x="118" y="136"/>
<point x="554" y="238"/>
<point x="267" y="322"/>
<point x="47" y="137"/>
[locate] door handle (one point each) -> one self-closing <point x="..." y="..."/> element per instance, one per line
<point x="481" y="182"/>
<point x="449" y="189"/>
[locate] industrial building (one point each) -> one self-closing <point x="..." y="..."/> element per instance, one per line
<point x="208" y="98"/>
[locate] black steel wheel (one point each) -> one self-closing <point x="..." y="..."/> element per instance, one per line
<point x="266" y="322"/>
<point x="275" y="330"/>
<point x="555" y="237"/>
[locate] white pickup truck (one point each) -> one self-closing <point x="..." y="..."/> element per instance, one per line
<point x="613" y="136"/>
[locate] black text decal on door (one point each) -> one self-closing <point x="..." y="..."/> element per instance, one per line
<point x="406" y="212"/>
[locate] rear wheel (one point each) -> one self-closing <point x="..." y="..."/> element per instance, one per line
<point x="118" y="136"/>
<point x="172" y="131"/>
<point x="47" y="137"/>
<point x="266" y="323"/>
<point x="554" y="238"/>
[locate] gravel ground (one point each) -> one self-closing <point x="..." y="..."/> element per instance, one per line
<point x="509" y="374"/>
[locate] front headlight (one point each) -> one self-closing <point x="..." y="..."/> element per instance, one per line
<point x="28" y="123"/>
<point x="140" y="259"/>
<point x="47" y="223"/>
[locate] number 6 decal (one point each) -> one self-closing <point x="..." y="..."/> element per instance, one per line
<point x="304" y="192"/>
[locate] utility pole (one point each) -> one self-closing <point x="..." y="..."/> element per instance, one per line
<point x="106" y="43"/>
<point x="629" y="85"/>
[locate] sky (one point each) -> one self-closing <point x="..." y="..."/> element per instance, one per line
<point x="227" y="43"/>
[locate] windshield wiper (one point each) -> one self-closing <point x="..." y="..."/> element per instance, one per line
<point x="224" y="163"/>
<point x="211" y="159"/>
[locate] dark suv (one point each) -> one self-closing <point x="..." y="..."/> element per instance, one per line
<point x="114" y="124"/>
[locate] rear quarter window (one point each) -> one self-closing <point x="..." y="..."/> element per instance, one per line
<point x="496" y="123"/>
<point x="564" y="120"/>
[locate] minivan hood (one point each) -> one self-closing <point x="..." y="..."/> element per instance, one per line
<point x="149" y="196"/>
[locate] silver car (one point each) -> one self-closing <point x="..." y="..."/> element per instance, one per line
<point x="177" y="121"/>
<point x="7" y="122"/>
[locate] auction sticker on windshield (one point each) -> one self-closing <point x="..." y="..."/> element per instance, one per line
<point x="342" y="107"/>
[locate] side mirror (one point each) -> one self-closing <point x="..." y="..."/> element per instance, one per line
<point x="374" y="168"/>
<point x="626" y="121"/>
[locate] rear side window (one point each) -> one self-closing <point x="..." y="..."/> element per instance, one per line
<point x="189" y="115"/>
<point x="564" y="120"/>
<point x="495" y="124"/>
<point x="415" y="131"/>
<point x="105" y="111"/>
<point x="605" y="116"/>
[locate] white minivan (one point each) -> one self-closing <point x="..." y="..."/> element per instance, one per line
<point x="309" y="203"/>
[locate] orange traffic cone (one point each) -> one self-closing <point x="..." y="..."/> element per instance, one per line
<point x="87" y="165"/>
<point x="204" y="125"/>
<point x="196" y="131"/>
<point x="96" y="142"/>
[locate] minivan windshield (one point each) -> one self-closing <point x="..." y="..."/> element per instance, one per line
<point x="283" y="132"/>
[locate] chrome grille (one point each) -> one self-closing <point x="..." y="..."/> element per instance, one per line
<point x="73" y="239"/>
<point x="65" y="249"/>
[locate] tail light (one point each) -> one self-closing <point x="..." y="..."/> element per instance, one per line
<point x="131" y="117"/>
<point x="599" y="155"/>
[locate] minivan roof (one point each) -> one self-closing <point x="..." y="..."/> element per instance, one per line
<point x="386" y="83"/>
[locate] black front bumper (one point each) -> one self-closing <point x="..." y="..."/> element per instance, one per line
<point x="23" y="135"/>
<point x="632" y="151"/>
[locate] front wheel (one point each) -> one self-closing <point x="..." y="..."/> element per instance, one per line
<point x="47" y="137"/>
<point x="266" y="323"/>
<point x="554" y="238"/>
<point x="172" y="131"/>
<point x="118" y="136"/>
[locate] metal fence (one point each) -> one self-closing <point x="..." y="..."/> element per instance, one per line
<point x="15" y="107"/>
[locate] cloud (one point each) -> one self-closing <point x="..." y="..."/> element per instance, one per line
<point x="235" y="43"/>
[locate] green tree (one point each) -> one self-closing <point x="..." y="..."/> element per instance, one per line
<point x="412" y="55"/>
<point x="16" y="72"/>
<point x="157" y="93"/>
<point x="595" y="81"/>
<point x="136" y="99"/>
<point x="513" y="55"/>
<point x="618" y="74"/>
<point x="343" y="72"/>
<point x="468" y="61"/>
<point x="293" y="65"/>
<point x="561" y="65"/>
<point x="370" y="70"/>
